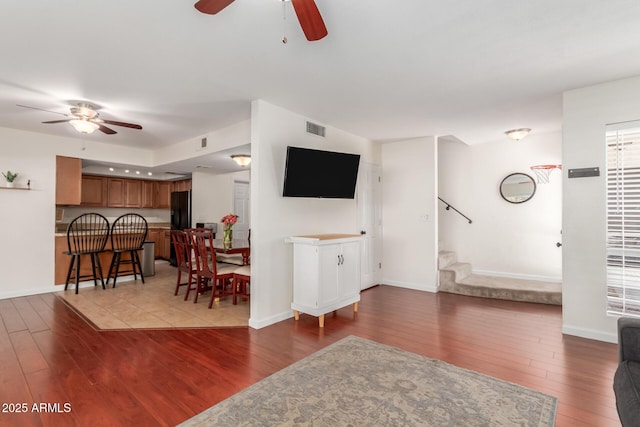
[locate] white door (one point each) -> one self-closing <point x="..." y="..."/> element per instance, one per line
<point x="370" y="223"/>
<point x="241" y="208"/>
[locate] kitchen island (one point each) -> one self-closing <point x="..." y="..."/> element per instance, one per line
<point x="160" y="234"/>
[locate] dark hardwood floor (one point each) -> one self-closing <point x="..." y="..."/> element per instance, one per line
<point x="49" y="355"/>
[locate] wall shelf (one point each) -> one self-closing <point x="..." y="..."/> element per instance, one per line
<point x="15" y="188"/>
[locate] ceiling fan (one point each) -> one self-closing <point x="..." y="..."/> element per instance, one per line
<point x="306" y="10"/>
<point x="85" y="119"/>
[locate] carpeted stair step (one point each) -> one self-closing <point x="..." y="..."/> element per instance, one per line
<point x="457" y="278"/>
<point x="452" y="274"/>
<point x="509" y="289"/>
<point x="446" y="258"/>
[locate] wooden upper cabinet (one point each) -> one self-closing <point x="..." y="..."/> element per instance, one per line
<point x="68" y="180"/>
<point x="94" y="190"/>
<point x="148" y="192"/>
<point x="182" y="185"/>
<point x="103" y="191"/>
<point x="115" y="193"/>
<point x="133" y="193"/>
<point x="162" y="194"/>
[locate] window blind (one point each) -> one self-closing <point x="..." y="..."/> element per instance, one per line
<point x="623" y="220"/>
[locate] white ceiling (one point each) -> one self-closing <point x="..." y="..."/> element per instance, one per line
<point x="387" y="70"/>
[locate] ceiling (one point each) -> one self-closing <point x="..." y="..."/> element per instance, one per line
<point x="386" y="71"/>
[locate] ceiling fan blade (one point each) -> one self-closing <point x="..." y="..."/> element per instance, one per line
<point x="42" y="109"/>
<point x="105" y="129"/>
<point x="58" y="121"/>
<point x="211" y="7"/>
<point x="127" y="125"/>
<point x="310" y="19"/>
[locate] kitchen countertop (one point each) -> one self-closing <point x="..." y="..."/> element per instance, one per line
<point x="61" y="228"/>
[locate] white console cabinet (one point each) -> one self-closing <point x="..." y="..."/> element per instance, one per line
<point x="326" y="273"/>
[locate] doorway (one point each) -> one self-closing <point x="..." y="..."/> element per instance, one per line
<point x="370" y="223"/>
<point x="241" y="193"/>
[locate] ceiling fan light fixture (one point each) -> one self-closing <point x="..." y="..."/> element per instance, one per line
<point x="517" y="134"/>
<point x="241" y="159"/>
<point x="84" y="126"/>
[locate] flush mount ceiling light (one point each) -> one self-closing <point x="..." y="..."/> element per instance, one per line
<point x="83" y="126"/>
<point x="242" y="159"/>
<point x="517" y="134"/>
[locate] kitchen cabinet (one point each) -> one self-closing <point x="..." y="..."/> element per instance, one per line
<point x="115" y="193"/>
<point x="132" y="193"/>
<point x="153" y="236"/>
<point x="166" y="245"/>
<point x="182" y="185"/>
<point x="94" y="191"/>
<point x="68" y="180"/>
<point x="162" y="239"/>
<point x="62" y="261"/>
<point x="162" y="193"/>
<point x="103" y="191"/>
<point x="148" y="191"/>
<point x="326" y="273"/>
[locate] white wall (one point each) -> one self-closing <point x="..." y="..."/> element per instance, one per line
<point x="409" y="248"/>
<point x="505" y="239"/>
<point x="221" y="139"/>
<point x="586" y="113"/>
<point x="273" y="217"/>
<point x="212" y="195"/>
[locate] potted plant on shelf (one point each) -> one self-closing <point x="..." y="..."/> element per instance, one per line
<point x="228" y="221"/>
<point x="10" y="177"/>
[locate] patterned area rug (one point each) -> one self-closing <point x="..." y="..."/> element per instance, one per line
<point x="358" y="382"/>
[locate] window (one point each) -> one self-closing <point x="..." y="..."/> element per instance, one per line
<point x="623" y="219"/>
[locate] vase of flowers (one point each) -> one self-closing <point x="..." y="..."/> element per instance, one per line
<point x="10" y="177"/>
<point x="228" y="221"/>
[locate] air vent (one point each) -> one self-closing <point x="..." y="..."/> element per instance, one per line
<point x="315" y="129"/>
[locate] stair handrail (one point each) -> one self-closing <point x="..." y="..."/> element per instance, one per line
<point x="449" y="206"/>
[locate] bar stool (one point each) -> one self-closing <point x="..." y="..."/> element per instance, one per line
<point x="128" y="234"/>
<point x="87" y="234"/>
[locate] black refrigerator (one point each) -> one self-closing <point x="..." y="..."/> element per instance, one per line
<point x="180" y="216"/>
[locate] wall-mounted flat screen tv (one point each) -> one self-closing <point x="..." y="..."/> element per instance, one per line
<point x="317" y="173"/>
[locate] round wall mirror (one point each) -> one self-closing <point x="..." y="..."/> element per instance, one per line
<point x="517" y="188"/>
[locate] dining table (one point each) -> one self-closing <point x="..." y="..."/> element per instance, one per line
<point x="238" y="246"/>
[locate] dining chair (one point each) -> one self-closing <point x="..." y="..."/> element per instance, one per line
<point x="208" y="273"/>
<point x="128" y="234"/>
<point x="186" y="263"/>
<point x="87" y="234"/>
<point x="241" y="282"/>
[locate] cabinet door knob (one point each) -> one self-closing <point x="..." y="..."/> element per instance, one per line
<point x="363" y="232"/>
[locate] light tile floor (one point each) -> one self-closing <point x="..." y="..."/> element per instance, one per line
<point x="152" y="305"/>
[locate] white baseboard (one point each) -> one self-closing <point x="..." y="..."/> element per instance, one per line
<point x="590" y="334"/>
<point x="261" y="323"/>
<point x="58" y="288"/>
<point x="410" y="285"/>
<point x="33" y="291"/>
<point x="552" y="279"/>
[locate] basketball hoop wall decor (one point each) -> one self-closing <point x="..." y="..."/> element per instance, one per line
<point x="543" y="171"/>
